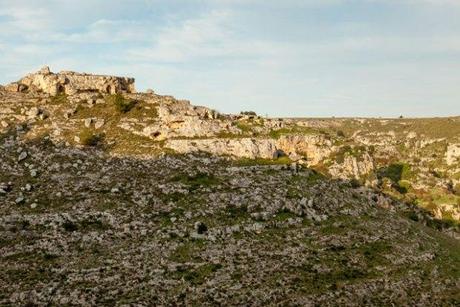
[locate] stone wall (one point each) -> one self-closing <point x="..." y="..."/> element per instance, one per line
<point x="70" y="83"/>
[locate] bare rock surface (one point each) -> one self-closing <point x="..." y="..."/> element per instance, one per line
<point x="68" y="82"/>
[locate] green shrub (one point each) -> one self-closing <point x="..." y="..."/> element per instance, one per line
<point x="396" y="172"/>
<point x="355" y="183"/>
<point x="403" y="186"/>
<point x="60" y="98"/>
<point x="89" y="138"/>
<point x="70" y="226"/>
<point x="276" y="134"/>
<point x="197" y="181"/>
<point x="412" y="216"/>
<point x="260" y="161"/>
<point x="457" y="189"/>
<point x="249" y="113"/>
<point x="347" y="150"/>
<point x="122" y="104"/>
<point x="399" y="175"/>
<point x="199" y="275"/>
<point x="243" y="127"/>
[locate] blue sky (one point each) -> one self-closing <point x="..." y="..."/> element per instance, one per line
<point x="281" y="58"/>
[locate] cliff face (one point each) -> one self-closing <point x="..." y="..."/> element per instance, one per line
<point x="68" y="82"/>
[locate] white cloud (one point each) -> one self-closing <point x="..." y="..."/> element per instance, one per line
<point x="25" y="18"/>
<point x="105" y="31"/>
<point x="198" y="37"/>
<point x="212" y="37"/>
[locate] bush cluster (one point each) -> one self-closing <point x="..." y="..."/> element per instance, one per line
<point x="249" y="113"/>
<point x="122" y="104"/>
<point x="89" y="138"/>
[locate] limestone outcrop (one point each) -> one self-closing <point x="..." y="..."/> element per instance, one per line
<point x="242" y="148"/>
<point x="68" y="82"/>
<point x="312" y="148"/>
<point x="453" y="154"/>
<point x="353" y="167"/>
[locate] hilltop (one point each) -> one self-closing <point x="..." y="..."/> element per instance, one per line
<point x="110" y="196"/>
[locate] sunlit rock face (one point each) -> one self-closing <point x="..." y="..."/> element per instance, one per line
<point x="68" y="82"/>
<point x="452" y="154"/>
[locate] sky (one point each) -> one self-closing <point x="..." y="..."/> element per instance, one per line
<point x="296" y="58"/>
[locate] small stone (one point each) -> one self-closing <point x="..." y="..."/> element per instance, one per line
<point x="88" y="122"/>
<point x="19" y="200"/>
<point x="76" y="139"/>
<point x="5" y="188"/>
<point x="114" y="190"/>
<point x="33" y="205"/>
<point x="33" y="173"/>
<point x="68" y="113"/>
<point x="4" y="124"/>
<point x="150" y="91"/>
<point x="99" y="123"/>
<point x="33" y="112"/>
<point x="22" y="156"/>
<point x="28" y="187"/>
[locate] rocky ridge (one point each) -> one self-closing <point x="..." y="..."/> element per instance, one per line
<point x="412" y="159"/>
<point x="138" y="198"/>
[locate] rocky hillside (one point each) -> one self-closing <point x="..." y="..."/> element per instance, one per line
<point x="415" y="160"/>
<point x="113" y="197"/>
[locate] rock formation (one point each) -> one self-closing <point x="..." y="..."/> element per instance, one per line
<point x="68" y="82"/>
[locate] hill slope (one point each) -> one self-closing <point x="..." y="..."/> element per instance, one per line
<point x="99" y="206"/>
